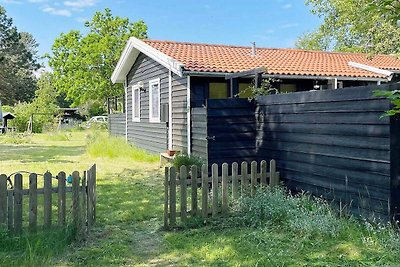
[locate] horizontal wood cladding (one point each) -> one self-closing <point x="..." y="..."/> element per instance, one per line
<point x="116" y="124"/>
<point x="333" y="143"/>
<point x="179" y="113"/>
<point x="144" y="134"/>
<point x="199" y="132"/>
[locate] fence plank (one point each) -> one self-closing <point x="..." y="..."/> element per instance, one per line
<point x="10" y="210"/>
<point x="33" y="202"/>
<point x="183" y="174"/>
<point x="235" y="181"/>
<point x="263" y="171"/>
<point x="194" y="205"/>
<point x="93" y="170"/>
<point x="90" y="199"/>
<point x="61" y="199"/>
<point x="18" y="203"/>
<point x="172" y="193"/>
<point x="84" y="204"/>
<point x="214" y="185"/>
<point x="225" y="188"/>
<point x="166" y="188"/>
<point x="47" y="199"/>
<point x="204" y="190"/>
<point x="273" y="181"/>
<point x="244" y="177"/>
<point x="75" y="199"/>
<point x="253" y="174"/>
<point x="3" y="200"/>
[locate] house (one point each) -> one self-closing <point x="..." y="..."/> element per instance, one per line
<point x="165" y="81"/>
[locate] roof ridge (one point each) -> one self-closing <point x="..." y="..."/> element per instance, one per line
<point x="265" y="48"/>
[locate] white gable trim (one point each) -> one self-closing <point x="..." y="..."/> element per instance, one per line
<point x="130" y="54"/>
<point x="387" y="73"/>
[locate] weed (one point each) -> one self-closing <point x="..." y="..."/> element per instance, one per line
<point x="186" y="160"/>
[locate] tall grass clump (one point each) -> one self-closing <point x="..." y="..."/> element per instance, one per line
<point x="15" y="138"/>
<point x="102" y="146"/>
<point x="188" y="161"/>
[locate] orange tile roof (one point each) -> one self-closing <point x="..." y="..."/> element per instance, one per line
<point x="223" y="58"/>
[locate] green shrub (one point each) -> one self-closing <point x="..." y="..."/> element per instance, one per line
<point x="102" y="146"/>
<point x="188" y="161"/>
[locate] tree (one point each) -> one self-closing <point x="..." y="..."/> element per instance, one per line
<point x="83" y="63"/>
<point x="351" y="26"/>
<point x="18" y="60"/>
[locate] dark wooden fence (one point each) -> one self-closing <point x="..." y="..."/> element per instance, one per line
<point x="333" y="143"/>
<point x="116" y="124"/>
<point x="212" y="195"/>
<point x="81" y="196"/>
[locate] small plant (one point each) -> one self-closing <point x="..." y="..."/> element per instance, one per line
<point x="188" y="161"/>
<point x="266" y="88"/>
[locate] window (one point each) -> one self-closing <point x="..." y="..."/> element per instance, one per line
<point x="244" y="90"/>
<point x="154" y="101"/>
<point x="135" y="103"/>
<point x="218" y="90"/>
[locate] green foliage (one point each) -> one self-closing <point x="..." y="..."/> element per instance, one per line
<point x="394" y="97"/>
<point x="15" y="138"/>
<point x="100" y="145"/>
<point x="44" y="106"/>
<point x="18" y="60"/>
<point x="351" y="26"/>
<point x="188" y="161"/>
<point x="267" y="88"/>
<point x="84" y="61"/>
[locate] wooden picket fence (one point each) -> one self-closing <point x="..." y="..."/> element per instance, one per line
<point x="231" y="187"/>
<point x="81" y="212"/>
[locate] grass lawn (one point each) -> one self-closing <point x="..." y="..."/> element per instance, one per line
<point x="129" y="219"/>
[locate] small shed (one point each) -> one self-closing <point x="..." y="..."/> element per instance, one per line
<point x="6" y="117"/>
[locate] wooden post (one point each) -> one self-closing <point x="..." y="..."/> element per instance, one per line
<point x="235" y="181"/>
<point x="18" y="203"/>
<point x="166" y="188"/>
<point x="47" y="199"/>
<point x="253" y="175"/>
<point x="94" y="195"/>
<point x="61" y="199"/>
<point x="204" y="190"/>
<point x="272" y="173"/>
<point x="90" y="199"/>
<point x="33" y="202"/>
<point x="172" y="196"/>
<point x="84" y="201"/>
<point x="3" y="200"/>
<point x="263" y="171"/>
<point x="244" y="181"/>
<point x="183" y="179"/>
<point x="224" y="188"/>
<point x="75" y="199"/>
<point x="10" y="210"/>
<point x="214" y="185"/>
<point x="193" y="172"/>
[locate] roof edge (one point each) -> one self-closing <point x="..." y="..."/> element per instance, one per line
<point x="130" y="53"/>
<point x="388" y="74"/>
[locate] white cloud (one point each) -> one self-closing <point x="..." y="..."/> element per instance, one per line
<point x="80" y="3"/>
<point x="289" y="25"/>
<point x="37" y="1"/>
<point x="82" y="20"/>
<point x="10" y="2"/>
<point x="287" y="6"/>
<point x="57" y="12"/>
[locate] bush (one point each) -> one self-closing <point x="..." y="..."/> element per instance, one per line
<point x="274" y="207"/>
<point x="101" y="146"/>
<point x="188" y="161"/>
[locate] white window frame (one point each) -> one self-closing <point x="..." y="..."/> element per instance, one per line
<point x="135" y="87"/>
<point x="151" y="83"/>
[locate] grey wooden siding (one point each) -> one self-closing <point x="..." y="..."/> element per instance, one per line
<point x="154" y="136"/>
<point x="146" y="135"/>
<point x="116" y="124"/>
<point x="199" y="132"/>
<point x="332" y="143"/>
<point x="179" y="113"/>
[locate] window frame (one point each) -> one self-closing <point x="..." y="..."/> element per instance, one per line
<point x="151" y="117"/>
<point x="135" y="87"/>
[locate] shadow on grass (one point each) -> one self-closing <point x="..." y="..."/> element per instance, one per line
<point x="27" y="153"/>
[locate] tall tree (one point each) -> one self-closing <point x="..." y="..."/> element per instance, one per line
<point x="352" y="26"/>
<point x="18" y="60"/>
<point x="83" y="63"/>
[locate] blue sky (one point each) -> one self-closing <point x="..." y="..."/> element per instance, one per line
<point x="270" y="23"/>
